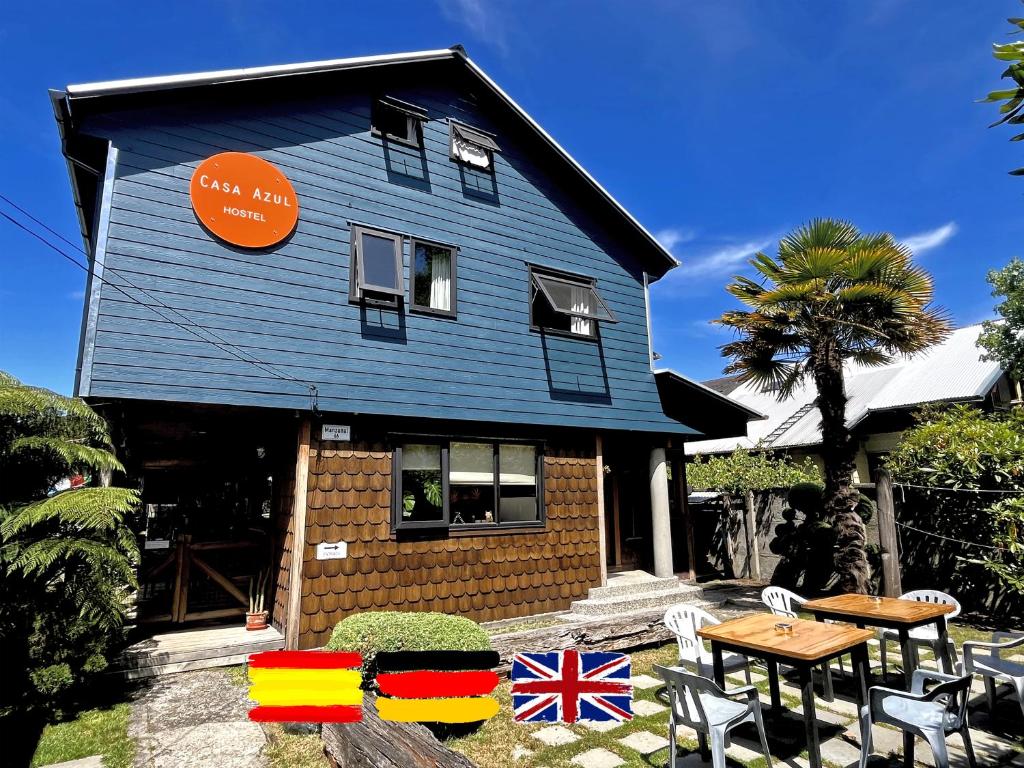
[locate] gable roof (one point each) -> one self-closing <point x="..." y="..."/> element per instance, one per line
<point x="952" y="371"/>
<point x="64" y="102"/>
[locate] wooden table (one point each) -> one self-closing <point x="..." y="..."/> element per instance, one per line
<point x="810" y="644"/>
<point x="890" y="613"/>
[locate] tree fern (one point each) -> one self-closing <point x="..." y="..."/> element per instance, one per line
<point x="67" y="559"/>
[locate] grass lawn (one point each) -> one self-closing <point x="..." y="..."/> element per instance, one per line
<point x="289" y="750"/>
<point x="92" y="732"/>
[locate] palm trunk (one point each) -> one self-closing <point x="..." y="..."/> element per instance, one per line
<point x="839" y="451"/>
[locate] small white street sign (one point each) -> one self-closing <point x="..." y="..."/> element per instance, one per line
<point x="337" y="550"/>
<point x="340" y="432"/>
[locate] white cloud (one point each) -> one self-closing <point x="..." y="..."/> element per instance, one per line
<point x="670" y="237"/>
<point x="480" y="19"/>
<point x="720" y="261"/>
<point x="76" y="295"/>
<point x="933" y="238"/>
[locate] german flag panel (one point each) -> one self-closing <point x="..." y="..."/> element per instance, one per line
<point x="306" y="687"/>
<point x="437" y="686"/>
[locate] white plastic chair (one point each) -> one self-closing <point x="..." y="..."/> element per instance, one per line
<point x="994" y="668"/>
<point x="684" y="621"/>
<point x="931" y="715"/>
<point x="926" y="635"/>
<point x="712" y="712"/>
<point x="782" y="602"/>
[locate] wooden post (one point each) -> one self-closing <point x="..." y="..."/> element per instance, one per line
<point x="682" y="493"/>
<point x="291" y="634"/>
<point x="892" y="584"/>
<point x="602" y="532"/>
<point x="750" y="523"/>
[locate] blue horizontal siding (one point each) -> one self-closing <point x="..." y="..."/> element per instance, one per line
<point x="230" y="326"/>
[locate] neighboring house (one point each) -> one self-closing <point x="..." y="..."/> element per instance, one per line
<point x="395" y="349"/>
<point x="881" y="403"/>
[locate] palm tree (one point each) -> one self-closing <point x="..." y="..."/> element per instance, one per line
<point x="831" y="295"/>
<point x="67" y="558"/>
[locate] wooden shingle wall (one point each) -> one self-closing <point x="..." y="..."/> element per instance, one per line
<point x="485" y="577"/>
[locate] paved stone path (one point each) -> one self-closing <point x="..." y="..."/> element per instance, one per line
<point x="195" y="719"/>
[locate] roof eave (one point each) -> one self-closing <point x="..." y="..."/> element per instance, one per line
<point x="752" y="415"/>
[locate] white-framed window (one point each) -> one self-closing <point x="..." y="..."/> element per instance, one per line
<point x="471" y="146"/>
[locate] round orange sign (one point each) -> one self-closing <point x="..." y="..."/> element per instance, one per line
<point x="244" y="200"/>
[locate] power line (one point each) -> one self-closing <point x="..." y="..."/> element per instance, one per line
<point x="223" y="345"/>
<point x="949" y="538"/>
<point x="956" y="491"/>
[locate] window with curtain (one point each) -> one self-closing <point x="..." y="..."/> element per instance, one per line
<point x="433" y="278"/>
<point x="567" y="304"/>
<point x="467" y="483"/>
<point x="471" y="146"/>
<point x="471" y="483"/>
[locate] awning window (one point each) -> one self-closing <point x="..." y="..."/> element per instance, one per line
<point x="577" y="299"/>
<point x="472" y="146"/>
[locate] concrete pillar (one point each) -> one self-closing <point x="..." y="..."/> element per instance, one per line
<point x="661" y="525"/>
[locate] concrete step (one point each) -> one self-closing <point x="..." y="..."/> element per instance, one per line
<point x="632" y="583"/>
<point x="643" y="600"/>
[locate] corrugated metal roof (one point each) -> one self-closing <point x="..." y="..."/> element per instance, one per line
<point x="948" y="372"/>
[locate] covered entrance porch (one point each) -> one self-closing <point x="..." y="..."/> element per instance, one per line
<point x="215" y="485"/>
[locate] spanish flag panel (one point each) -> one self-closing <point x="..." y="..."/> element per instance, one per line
<point x="306" y="686"/>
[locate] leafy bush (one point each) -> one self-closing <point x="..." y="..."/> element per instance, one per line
<point x="1008" y="565"/>
<point x="743" y="471"/>
<point x="950" y="453"/>
<point x="376" y="631"/>
<point x="962" y="447"/>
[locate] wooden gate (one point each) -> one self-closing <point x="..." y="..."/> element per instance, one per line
<point x="192" y="573"/>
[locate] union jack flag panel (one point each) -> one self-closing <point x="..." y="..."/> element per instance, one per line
<point x="569" y="686"/>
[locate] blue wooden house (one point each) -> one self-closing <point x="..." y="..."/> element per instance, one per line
<point x="365" y="327"/>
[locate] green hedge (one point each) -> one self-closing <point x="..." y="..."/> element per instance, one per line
<point x="376" y="631"/>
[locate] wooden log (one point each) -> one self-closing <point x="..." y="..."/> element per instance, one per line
<point x="892" y="585"/>
<point x="615" y="633"/>
<point x="374" y="743"/>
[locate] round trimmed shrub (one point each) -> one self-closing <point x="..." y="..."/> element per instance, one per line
<point x="376" y="631"/>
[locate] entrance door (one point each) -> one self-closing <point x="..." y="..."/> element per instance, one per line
<point x="627" y="513"/>
<point x="206" y="541"/>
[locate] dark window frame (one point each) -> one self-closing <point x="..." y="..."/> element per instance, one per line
<point x="398" y="525"/>
<point x="415" y="118"/>
<point x="483" y="139"/>
<point x="427" y="310"/>
<point x="358" y="292"/>
<point x="532" y="290"/>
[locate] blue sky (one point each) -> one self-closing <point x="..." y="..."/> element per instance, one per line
<point x="719" y="124"/>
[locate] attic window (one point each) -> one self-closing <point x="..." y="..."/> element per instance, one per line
<point x="398" y="121"/>
<point x="471" y="146"/>
<point x="567" y="304"/>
